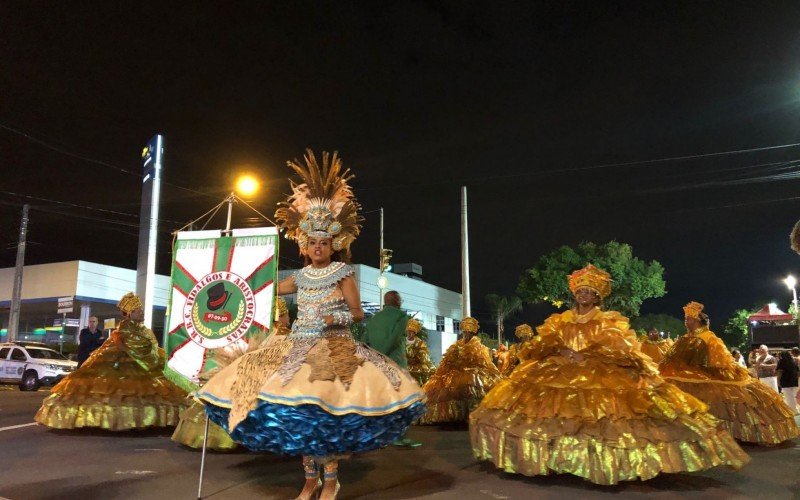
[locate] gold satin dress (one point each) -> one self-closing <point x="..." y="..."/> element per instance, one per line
<point x="700" y="364"/>
<point x="419" y="361"/>
<point x="121" y="386"/>
<point x="463" y="378"/>
<point x="607" y="418"/>
<point x="656" y="349"/>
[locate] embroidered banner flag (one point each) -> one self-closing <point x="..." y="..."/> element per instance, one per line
<point x="222" y="292"/>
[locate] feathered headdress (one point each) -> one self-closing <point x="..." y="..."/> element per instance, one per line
<point x="322" y="205"/>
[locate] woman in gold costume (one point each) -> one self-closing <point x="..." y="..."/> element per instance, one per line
<point x="524" y="333"/>
<point x="700" y="364"/>
<point x="121" y="386"/>
<point x="463" y="378"/>
<point x="654" y="346"/>
<point x="419" y="359"/>
<point x="191" y="428"/>
<point x="586" y="401"/>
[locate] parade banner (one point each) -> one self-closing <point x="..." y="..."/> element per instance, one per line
<point x="222" y="292"/>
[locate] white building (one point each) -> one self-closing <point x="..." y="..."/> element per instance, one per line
<point x="96" y="289"/>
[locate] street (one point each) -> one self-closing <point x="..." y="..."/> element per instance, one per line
<point x="38" y="463"/>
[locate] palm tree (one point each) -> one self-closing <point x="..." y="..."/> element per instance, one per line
<point x="502" y="309"/>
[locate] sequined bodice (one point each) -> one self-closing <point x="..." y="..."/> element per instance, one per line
<point x="317" y="297"/>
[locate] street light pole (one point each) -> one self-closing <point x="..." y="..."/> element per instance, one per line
<point x="380" y="264"/>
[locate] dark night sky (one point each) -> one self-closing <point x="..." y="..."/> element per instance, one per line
<point x="510" y="99"/>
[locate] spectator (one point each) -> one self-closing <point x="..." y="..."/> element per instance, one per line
<point x="737" y="356"/>
<point x="90" y="339"/>
<point x="787" y="372"/>
<point x="765" y="367"/>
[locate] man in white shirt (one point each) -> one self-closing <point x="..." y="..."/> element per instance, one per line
<point x="765" y="367"/>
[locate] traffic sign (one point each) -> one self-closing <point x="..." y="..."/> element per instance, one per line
<point x="65" y="305"/>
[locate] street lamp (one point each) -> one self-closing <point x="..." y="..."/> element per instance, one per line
<point x="247" y="185"/>
<point x="790" y="283"/>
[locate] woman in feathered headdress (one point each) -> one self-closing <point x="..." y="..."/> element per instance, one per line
<point x="586" y="401"/>
<point x="329" y="396"/>
<point x="700" y="364"/>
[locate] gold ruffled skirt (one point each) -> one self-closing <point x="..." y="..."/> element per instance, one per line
<point x="192" y="426"/>
<point x="452" y="395"/>
<point x="599" y="421"/>
<point x="112" y="391"/>
<point x="751" y="412"/>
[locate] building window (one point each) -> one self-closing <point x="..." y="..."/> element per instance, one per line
<point x="439" y="323"/>
<point x="456" y="326"/>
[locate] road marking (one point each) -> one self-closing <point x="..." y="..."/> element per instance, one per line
<point x="12" y="427"/>
<point x="136" y="472"/>
<point x="149" y="449"/>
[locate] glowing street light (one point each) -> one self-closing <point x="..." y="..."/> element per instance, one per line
<point x="246" y="185"/>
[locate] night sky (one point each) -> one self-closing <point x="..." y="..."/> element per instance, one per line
<point x="549" y="113"/>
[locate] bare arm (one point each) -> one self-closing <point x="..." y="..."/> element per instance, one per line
<point x="287" y="286"/>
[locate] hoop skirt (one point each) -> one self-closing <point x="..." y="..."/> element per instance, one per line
<point x="121" y="386"/>
<point x="419" y="361"/>
<point x="700" y="364"/>
<point x="463" y="378"/>
<point x="606" y="418"/>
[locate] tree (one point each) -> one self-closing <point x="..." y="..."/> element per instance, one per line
<point x="670" y="325"/>
<point x="502" y="308"/>
<point x="736" y="333"/>
<point x="634" y="280"/>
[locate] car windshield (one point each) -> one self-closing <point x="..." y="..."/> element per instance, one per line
<point x="44" y="353"/>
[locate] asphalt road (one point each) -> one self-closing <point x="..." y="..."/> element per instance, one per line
<point x="38" y="463"/>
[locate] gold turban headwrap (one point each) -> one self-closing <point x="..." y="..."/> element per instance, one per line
<point x="592" y="278"/>
<point x="693" y="309"/>
<point x="129" y="303"/>
<point x="280" y="308"/>
<point x="414" y="326"/>
<point x="523" y="331"/>
<point x="470" y="325"/>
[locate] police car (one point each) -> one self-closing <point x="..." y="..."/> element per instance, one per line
<point x="32" y="366"/>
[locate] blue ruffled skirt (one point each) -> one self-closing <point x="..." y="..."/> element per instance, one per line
<point x="310" y="430"/>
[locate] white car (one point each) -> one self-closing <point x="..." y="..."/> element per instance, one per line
<point x="33" y="366"/>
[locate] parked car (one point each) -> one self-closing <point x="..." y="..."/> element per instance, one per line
<point x="32" y="366"/>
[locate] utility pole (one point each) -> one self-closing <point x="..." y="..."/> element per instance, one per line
<point x="465" y="306"/>
<point x="16" y="292"/>
<point x="380" y="265"/>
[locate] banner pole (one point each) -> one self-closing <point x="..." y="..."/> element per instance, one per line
<point x="202" y="462"/>
<point x="230" y="212"/>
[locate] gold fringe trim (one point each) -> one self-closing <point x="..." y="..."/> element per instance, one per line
<point x="598" y="461"/>
<point x="113" y="417"/>
<point x="192" y="426"/>
<point x="753" y="413"/>
<point x="450" y="411"/>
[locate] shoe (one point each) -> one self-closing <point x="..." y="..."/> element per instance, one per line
<point x="313" y="494"/>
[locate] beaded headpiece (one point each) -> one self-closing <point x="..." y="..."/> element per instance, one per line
<point x="523" y="331"/>
<point x="129" y="303"/>
<point x="592" y="278"/>
<point x="693" y="309"/>
<point x="322" y="205"/>
<point x="280" y="308"/>
<point x="470" y="325"/>
<point x="414" y="326"/>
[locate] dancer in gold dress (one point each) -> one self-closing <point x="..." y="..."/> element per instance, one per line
<point x="463" y="378"/>
<point x="419" y="358"/>
<point x="654" y="346"/>
<point x="700" y="364"/>
<point x="524" y="333"/>
<point x="191" y="428"/>
<point x="121" y="386"/>
<point x="586" y="401"/>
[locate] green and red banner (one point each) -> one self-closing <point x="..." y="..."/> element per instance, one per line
<point x="223" y="290"/>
